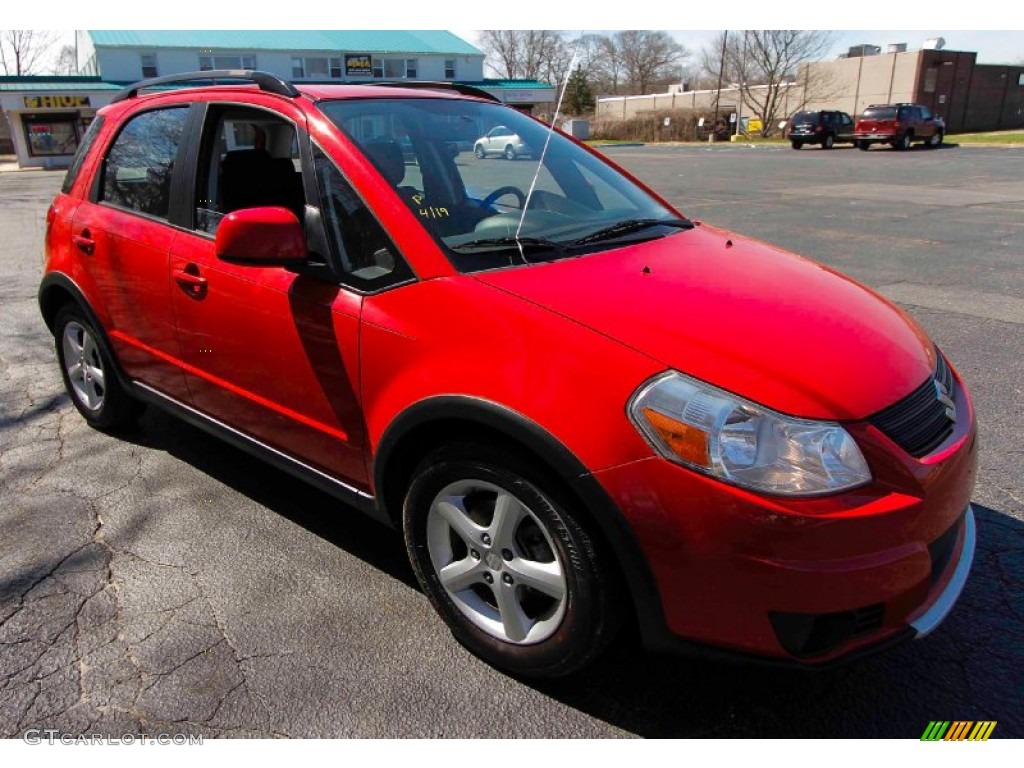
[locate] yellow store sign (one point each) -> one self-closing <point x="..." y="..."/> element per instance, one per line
<point x="56" y="102"/>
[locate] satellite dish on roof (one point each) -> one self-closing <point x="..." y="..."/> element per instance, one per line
<point x="935" y="43"/>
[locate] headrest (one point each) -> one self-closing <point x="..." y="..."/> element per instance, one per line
<point x="387" y="156"/>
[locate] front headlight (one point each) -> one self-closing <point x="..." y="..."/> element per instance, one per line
<point x="743" y="443"/>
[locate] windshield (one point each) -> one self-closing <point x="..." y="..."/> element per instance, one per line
<point x="879" y="113"/>
<point x="466" y="169"/>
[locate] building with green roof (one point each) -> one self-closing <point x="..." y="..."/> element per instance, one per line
<point x="125" y="56"/>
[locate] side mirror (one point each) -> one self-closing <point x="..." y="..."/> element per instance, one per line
<point x="261" y="237"/>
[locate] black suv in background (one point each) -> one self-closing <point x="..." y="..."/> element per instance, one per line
<point x="898" y="125"/>
<point x="824" y="127"/>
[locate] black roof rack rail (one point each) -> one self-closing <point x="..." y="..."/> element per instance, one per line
<point x="434" y="85"/>
<point x="265" y="80"/>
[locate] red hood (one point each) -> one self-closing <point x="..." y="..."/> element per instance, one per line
<point x="757" y="321"/>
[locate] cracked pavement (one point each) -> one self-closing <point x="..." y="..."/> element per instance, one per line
<point x="161" y="581"/>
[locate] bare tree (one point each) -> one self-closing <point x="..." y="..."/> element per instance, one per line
<point x="648" y="58"/>
<point x="599" y="58"/>
<point x="67" y="62"/>
<point x="763" y="64"/>
<point x="23" y="51"/>
<point x="534" y="54"/>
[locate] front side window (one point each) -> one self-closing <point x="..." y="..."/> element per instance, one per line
<point x="137" y="169"/>
<point x="429" y="151"/>
<point x="250" y="159"/>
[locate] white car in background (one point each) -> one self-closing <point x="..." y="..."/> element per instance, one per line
<point x="500" y="141"/>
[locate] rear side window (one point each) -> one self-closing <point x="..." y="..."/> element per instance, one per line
<point x="81" y="154"/>
<point x="138" y="167"/>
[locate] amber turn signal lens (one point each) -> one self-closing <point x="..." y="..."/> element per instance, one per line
<point x="688" y="443"/>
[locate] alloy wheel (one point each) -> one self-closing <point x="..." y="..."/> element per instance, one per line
<point x="496" y="562"/>
<point x="84" y="366"/>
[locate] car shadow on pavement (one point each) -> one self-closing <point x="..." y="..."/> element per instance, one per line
<point x="971" y="668"/>
<point x="312" y="509"/>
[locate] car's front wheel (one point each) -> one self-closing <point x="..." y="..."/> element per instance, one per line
<point x="508" y="566"/>
<point x="510" y="152"/>
<point x="796" y="144"/>
<point x="88" y="372"/>
<point x="935" y="140"/>
<point x="478" y="150"/>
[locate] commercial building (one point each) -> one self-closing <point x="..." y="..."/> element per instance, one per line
<point x="110" y="59"/>
<point x="967" y="95"/>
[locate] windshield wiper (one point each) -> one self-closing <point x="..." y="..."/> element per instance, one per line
<point x="504" y="243"/>
<point x="629" y="226"/>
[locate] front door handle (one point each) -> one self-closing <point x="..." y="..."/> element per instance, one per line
<point x="191" y="281"/>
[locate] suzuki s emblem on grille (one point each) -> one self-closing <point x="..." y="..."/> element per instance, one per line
<point x="942" y="395"/>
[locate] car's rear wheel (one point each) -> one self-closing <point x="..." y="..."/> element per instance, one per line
<point x="88" y="372"/>
<point x="935" y="140"/>
<point x="510" y="153"/>
<point x="863" y="145"/>
<point x="478" y="150"/>
<point x="796" y="144"/>
<point x="828" y="142"/>
<point x="903" y="142"/>
<point x="511" y="570"/>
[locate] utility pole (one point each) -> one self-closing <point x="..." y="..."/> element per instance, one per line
<point x="743" y="75"/>
<point x="718" y="97"/>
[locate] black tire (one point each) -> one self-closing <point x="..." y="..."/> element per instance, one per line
<point x="478" y="150"/>
<point x="903" y="142"/>
<point x="101" y="399"/>
<point x="864" y="146"/>
<point x="935" y="140"/>
<point x="796" y="144"/>
<point x="574" y="629"/>
<point x="510" y="153"/>
<point x="828" y="142"/>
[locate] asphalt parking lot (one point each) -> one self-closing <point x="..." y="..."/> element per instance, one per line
<point x="165" y="582"/>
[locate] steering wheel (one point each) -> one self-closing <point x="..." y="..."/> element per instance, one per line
<point x="488" y="201"/>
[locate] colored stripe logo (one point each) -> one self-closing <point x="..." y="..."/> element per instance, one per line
<point x="958" y="730"/>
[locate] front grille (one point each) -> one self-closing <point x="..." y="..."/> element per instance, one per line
<point x="918" y="423"/>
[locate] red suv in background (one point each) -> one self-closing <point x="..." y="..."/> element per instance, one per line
<point x="898" y="125"/>
<point x="578" y="407"/>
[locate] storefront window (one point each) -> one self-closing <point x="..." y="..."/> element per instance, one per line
<point x="51" y="135"/>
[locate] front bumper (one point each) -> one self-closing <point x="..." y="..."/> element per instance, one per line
<point x="810" y="581"/>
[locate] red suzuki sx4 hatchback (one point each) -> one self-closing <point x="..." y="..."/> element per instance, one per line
<point x="580" y="408"/>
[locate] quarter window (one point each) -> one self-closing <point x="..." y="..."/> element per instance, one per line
<point x="137" y="170"/>
<point x="367" y="256"/>
<point x="83" y="151"/>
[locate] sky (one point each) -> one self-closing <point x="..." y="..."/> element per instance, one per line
<point x="701" y="21"/>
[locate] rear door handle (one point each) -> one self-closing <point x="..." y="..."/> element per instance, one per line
<point x="191" y="281"/>
<point x="84" y="242"/>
